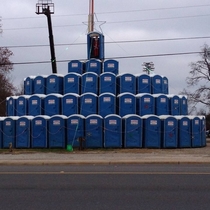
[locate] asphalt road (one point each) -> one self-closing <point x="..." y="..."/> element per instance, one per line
<point x="105" y="187"/>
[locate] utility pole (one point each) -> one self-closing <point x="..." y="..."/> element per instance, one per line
<point x="46" y="7"/>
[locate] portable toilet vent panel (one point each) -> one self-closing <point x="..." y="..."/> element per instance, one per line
<point x="28" y="85"/>
<point x="94" y="131"/>
<point x="196" y="131"/>
<point x="111" y="66"/>
<point x="1" y="131"/>
<point x="126" y="104"/>
<point x="22" y="105"/>
<point x="39" y="132"/>
<point x="183" y="105"/>
<point x="106" y="104"/>
<point x="94" y="65"/>
<point x="152" y="131"/>
<point x="161" y="104"/>
<point x="52" y="104"/>
<point x="54" y="84"/>
<point x="126" y="83"/>
<point x="76" y="66"/>
<point x="57" y="131"/>
<point x="70" y="104"/>
<point x="133" y="131"/>
<point x="184" y="131"/>
<point x="11" y="105"/>
<point x="89" y="83"/>
<point x="88" y="104"/>
<point x="156" y="84"/>
<point x="169" y="131"/>
<point x="165" y="85"/>
<point x="72" y="83"/>
<point x="23" y="132"/>
<point x="145" y="104"/>
<point x="40" y="84"/>
<point x="9" y="132"/>
<point x="107" y="83"/>
<point x="112" y="131"/>
<point x="36" y="105"/>
<point x="143" y="83"/>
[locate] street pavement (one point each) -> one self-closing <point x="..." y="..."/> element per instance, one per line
<point x="106" y="156"/>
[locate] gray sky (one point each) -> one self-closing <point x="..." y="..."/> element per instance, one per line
<point x="125" y="21"/>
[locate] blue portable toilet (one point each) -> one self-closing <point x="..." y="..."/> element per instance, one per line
<point x="36" y="104"/>
<point x="11" y="105"/>
<point x="133" y="131"/>
<point x="184" y="131"/>
<point x="94" y="131"/>
<point x="88" y="104"/>
<point x="54" y="84"/>
<point x="126" y="82"/>
<point x="165" y="85"/>
<point x="107" y="83"/>
<point x="111" y="66"/>
<point x="113" y="131"/>
<point x="174" y="104"/>
<point x="169" y="131"/>
<point x="89" y="83"/>
<point x="94" y="65"/>
<point x="156" y="84"/>
<point x="39" y="131"/>
<point x="76" y="66"/>
<point x="151" y="131"/>
<point x="22" y="105"/>
<point x="39" y="84"/>
<point x="28" y="85"/>
<point x="23" y="132"/>
<point x="57" y="131"/>
<point x="1" y="131"/>
<point x="203" y="130"/>
<point x="75" y="129"/>
<point x="52" y="104"/>
<point x="145" y="104"/>
<point x="183" y="105"/>
<point x="196" y="126"/>
<point x="70" y="104"/>
<point x="161" y="104"/>
<point x="72" y="83"/>
<point x="126" y="104"/>
<point x="9" y="132"/>
<point x="106" y="104"/>
<point x="143" y="83"/>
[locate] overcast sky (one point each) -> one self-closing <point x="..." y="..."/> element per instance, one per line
<point x="131" y="20"/>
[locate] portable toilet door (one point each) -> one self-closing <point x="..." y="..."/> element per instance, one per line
<point x="106" y="104"/>
<point x="39" y="84"/>
<point x="203" y="130"/>
<point x="196" y="131"/>
<point x="132" y="127"/>
<point x="57" y="131"/>
<point x="9" y="132"/>
<point x="89" y="83"/>
<point x="183" y="105"/>
<point x="113" y="131"/>
<point x="70" y="104"/>
<point x="126" y="82"/>
<point x="169" y="131"/>
<point x="52" y="104"/>
<point x="156" y="84"/>
<point x="75" y="129"/>
<point x="76" y="66"/>
<point x="143" y="83"/>
<point x="88" y="104"/>
<point x="54" y="84"/>
<point x="151" y="131"/>
<point x="94" y="65"/>
<point x="94" y="131"/>
<point x="1" y="131"/>
<point x="184" y="132"/>
<point x="11" y="105"/>
<point x="72" y="83"/>
<point x="36" y="105"/>
<point x="22" y="105"/>
<point x="23" y="132"/>
<point x="28" y="85"/>
<point x="126" y="104"/>
<point x="174" y="104"/>
<point x="111" y="66"/>
<point x="107" y="83"/>
<point x="165" y="85"/>
<point x="145" y="104"/>
<point x="161" y="104"/>
<point x="39" y="132"/>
